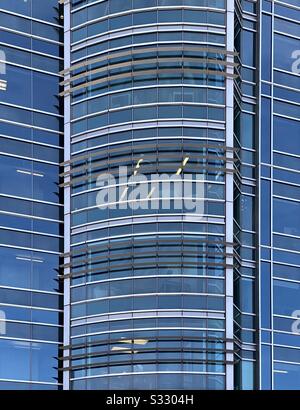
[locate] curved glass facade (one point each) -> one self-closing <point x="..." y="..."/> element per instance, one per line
<point x="145" y="271"/>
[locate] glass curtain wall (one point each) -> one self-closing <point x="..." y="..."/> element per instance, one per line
<point x="31" y="209"/>
<point x="145" y="282"/>
<point x="279" y="186"/>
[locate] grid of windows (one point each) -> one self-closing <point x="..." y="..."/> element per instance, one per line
<point x="280" y="263"/>
<point x="31" y="216"/>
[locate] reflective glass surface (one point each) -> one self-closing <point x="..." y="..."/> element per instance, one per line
<point x="31" y="210"/>
<point x="147" y="271"/>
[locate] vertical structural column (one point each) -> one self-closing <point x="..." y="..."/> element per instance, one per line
<point x="67" y="194"/>
<point x="259" y="42"/>
<point x="229" y="195"/>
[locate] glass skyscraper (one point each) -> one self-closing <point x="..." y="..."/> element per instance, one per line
<point x="177" y="179"/>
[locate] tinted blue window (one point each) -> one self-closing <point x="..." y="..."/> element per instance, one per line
<point x="286" y="217"/>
